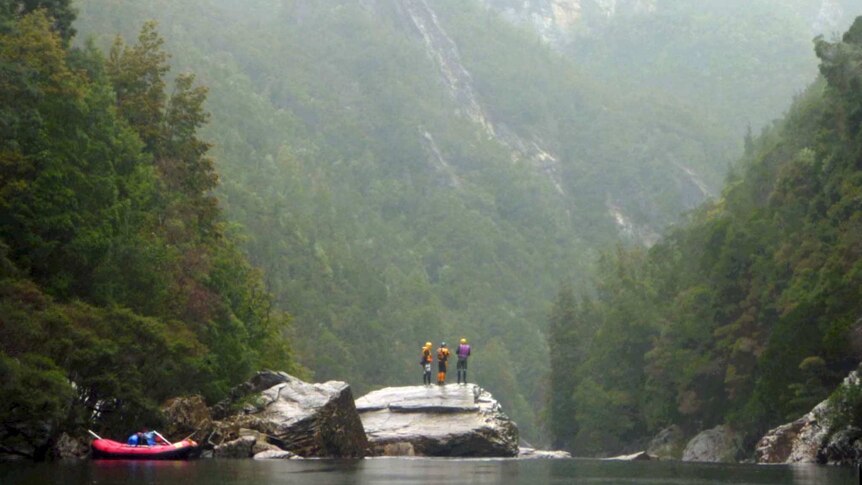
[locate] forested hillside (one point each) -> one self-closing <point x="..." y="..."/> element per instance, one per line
<point x="410" y="171"/>
<point x="749" y="313"/>
<point x="120" y="283"/>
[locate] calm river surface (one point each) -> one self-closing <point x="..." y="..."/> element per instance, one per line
<point x="400" y="470"/>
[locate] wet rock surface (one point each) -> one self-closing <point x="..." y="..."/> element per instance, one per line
<point x="451" y="420"/>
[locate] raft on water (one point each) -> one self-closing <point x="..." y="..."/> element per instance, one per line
<point x="114" y="450"/>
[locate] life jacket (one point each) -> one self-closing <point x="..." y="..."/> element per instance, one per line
<point x="463" y="351"/>
<point x="426" y="355"/>
<point x="442" y="354"/>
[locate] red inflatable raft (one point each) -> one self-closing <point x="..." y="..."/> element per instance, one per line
<point x="114" y="450"/>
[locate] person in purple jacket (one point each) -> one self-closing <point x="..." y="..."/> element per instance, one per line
<point x="462" y="353"/>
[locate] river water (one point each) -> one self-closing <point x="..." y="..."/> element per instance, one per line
<point x="419" y="470"/>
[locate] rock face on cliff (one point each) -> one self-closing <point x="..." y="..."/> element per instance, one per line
<point x="449" y="420"/>
<point x="808" y="439"/>
<point x="720" y="445"/>
<point x="274" y="408"/>
<point x="796" y="442"/>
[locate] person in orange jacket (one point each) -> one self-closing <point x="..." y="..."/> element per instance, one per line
<point x="442" y="360"/>
<point x="425" y="362"/>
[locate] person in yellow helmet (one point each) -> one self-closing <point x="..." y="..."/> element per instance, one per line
<point x="425" y="362"/>
<point x="442" y="359"/>
<point x="463" y="353"/>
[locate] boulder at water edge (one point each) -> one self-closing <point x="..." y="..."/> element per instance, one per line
<point x="525" y="453"/>
<point x="310" y="420"/>
<point x="808" y="440"/>
<point x="720" y="444"/>
<point x="668" y="444"/>
<point x="451" y="420"/>
<point x="796" y="442"/>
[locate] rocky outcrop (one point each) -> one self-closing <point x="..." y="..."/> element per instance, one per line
<point x="238" y="448"/>
<point x="720" y="444"/>
<point x="796" y="442"/>
<point x="275" y="412"/>
<point x="68" y="447"/>
<point x="451" y="420"/>
<point x="187" y="416"/>
<point x="668" y="444"/>
<point x="843" y="447"/>
<point x="808" y="439"/>
<point x="310" y="420"/>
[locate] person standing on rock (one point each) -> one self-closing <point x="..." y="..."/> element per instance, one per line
<point x="463" y="353"/>
<point x="426" y="363"/>
<point x="442" y="359"/>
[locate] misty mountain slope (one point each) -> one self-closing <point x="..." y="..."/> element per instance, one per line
<point x="411" y="170"/>
<point x="741" y="59"/>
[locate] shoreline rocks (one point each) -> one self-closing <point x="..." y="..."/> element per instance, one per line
<point x="534" y="454"/>
<point x="451" y="420"/>
<point x="717" y="445"/>
<point x="275" y="411"/>
<point x="668" y="444"/>
<point x="808" y="439"/>
<point x="639" y="456"/>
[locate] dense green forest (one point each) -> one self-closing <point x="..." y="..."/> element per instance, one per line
<point x="122" y="284"/>
<point x="390" y="172"/>
<point x="391" y="204"/>
<point x="748" y="313"/>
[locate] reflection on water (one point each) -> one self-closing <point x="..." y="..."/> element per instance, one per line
<point x="418" y="470"/>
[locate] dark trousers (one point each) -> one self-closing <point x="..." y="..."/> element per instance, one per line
<point x="462" y="370"/>
<point x="426" y="373"/>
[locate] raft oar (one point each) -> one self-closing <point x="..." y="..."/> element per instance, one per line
<point x="162" y="437"/>
<point x="94" y="434"/>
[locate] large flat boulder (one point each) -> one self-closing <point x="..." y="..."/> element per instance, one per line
<point x="309" y="420"/>
<point x="451" y="420"/>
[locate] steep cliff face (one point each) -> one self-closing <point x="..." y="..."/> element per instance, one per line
<point x="444" y="51"/>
